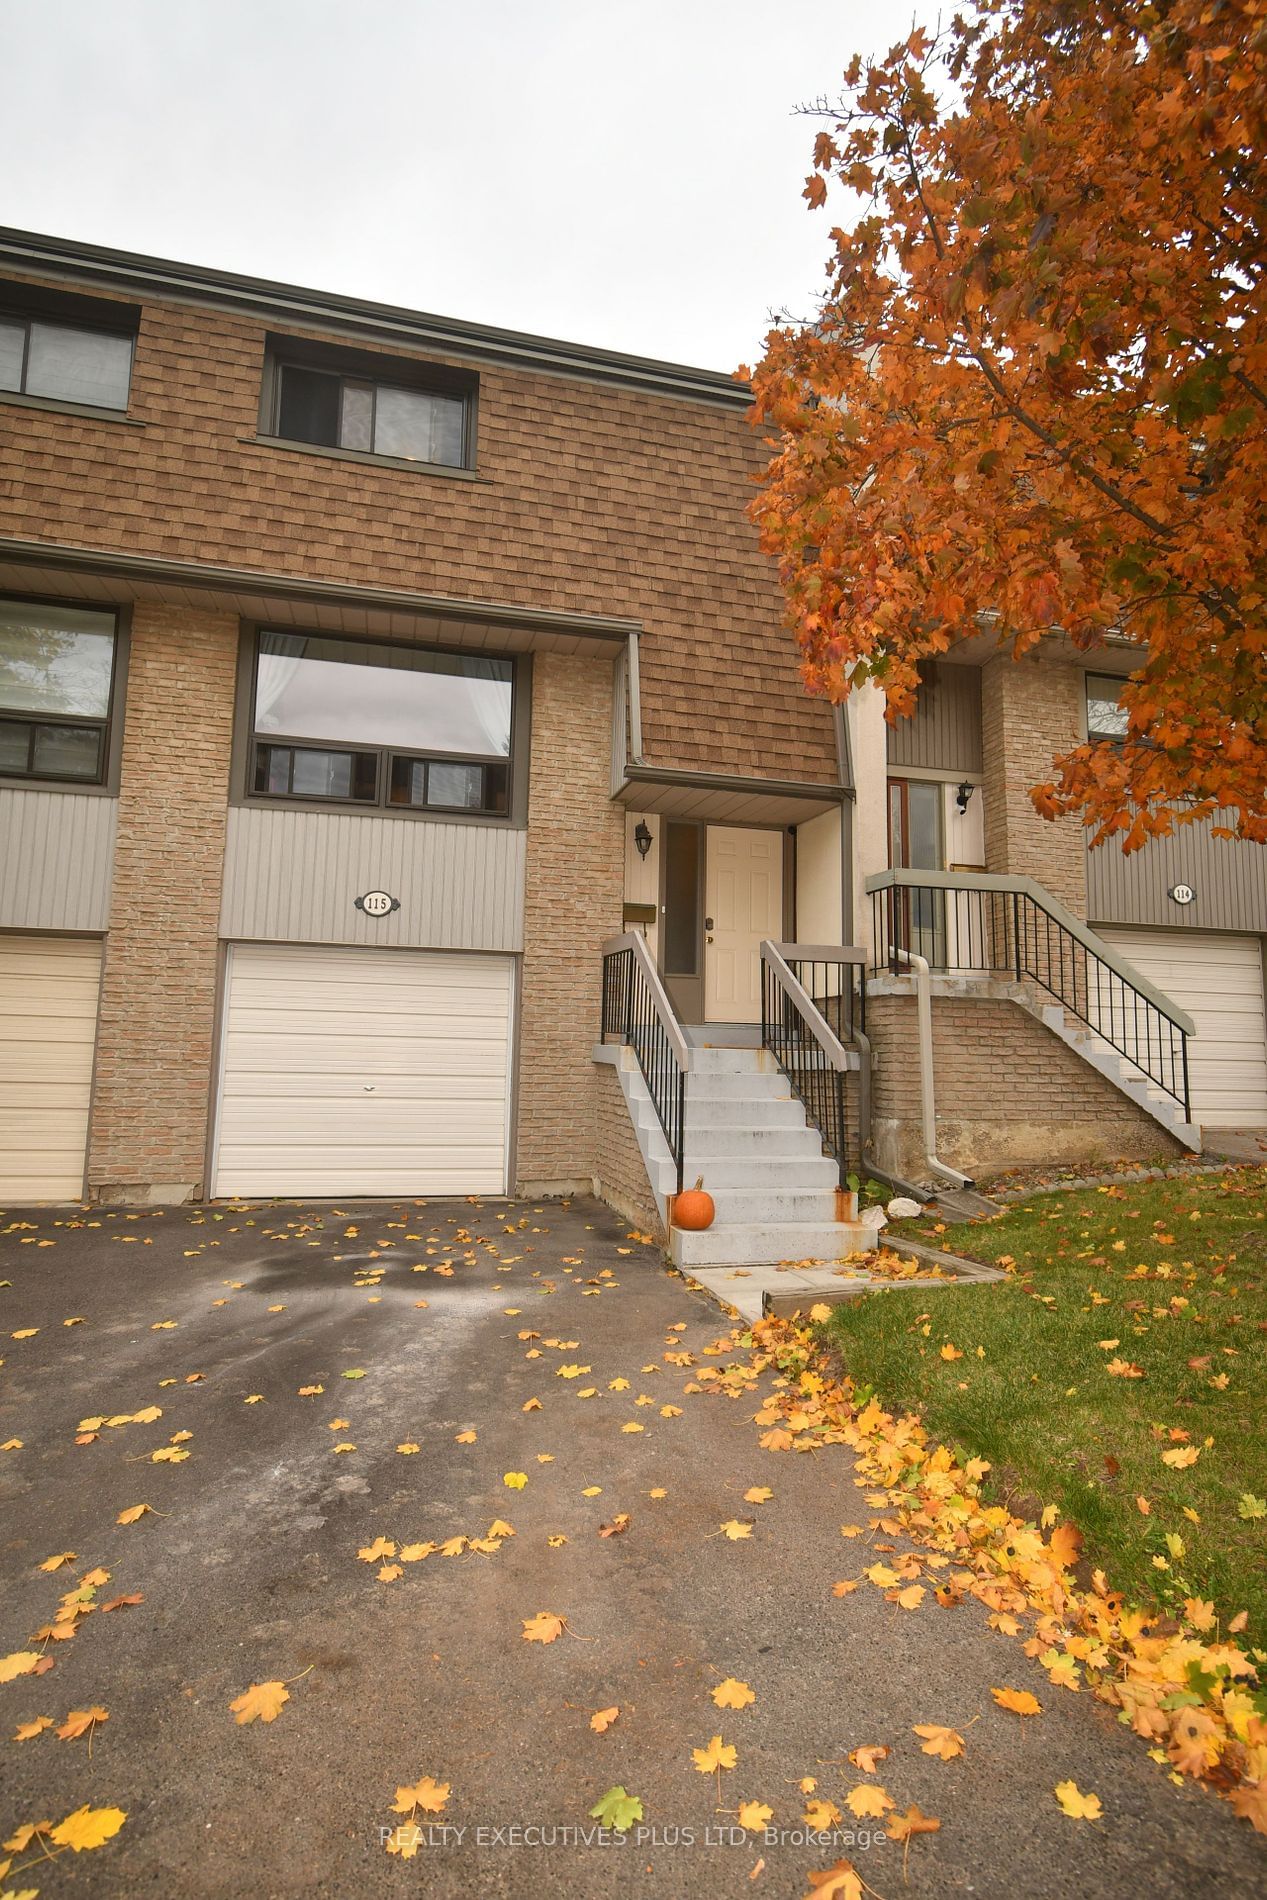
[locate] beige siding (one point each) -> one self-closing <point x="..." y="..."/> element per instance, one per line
<point x="944" y="733"/>
<point x="294" y="876"/>
<point x="364" y="1072"/>
<point x="56" y="853"/>
<point x="48" y="1019"/>
<point x="1230" y="881"/>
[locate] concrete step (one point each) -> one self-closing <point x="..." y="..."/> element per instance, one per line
<point x="732" y="1062"/>
<point x="760" y="1206"/>
<point x="705" y="1145"/>
<point x="714" y="1085"/>
<point x="762" y="1243"/>
<point x="781" y="1174"/>
<point x="746" y="1111"/>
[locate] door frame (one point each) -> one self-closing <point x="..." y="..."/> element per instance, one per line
<point x="686" y="993"/>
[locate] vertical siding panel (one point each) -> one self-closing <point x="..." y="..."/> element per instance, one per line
<point x="1229" y="878"/>
<point x="944" y="732"/>
<point x="56" y="859"/>
<point x="292" y="877"/>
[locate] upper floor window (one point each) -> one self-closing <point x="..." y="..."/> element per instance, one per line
<point x="347" y="722"/>
<point x="365" y="404"/>
<point x="64" y="362"/>
<point x="57" y="673"/>
<point x="1106" y="716"/>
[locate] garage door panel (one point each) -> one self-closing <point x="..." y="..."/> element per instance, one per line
<point x="1218" y="980"/>
<point x="48" y="1020"/>
<point x="364" y="1072"/>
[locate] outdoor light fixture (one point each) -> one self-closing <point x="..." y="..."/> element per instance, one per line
<point x="642" y="837"/>
<point x="964" y="794"/>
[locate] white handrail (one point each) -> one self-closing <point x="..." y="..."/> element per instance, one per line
<point x="635" y="941"/>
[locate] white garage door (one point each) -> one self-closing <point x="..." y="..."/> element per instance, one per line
<point x="363" y="1072"/>
<point x="1219" y="981"/>
<point x="48" y="1029"/>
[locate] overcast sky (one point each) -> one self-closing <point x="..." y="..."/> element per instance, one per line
<point x="621" y="172"/>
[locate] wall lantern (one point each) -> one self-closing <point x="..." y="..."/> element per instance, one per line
<point x="642" y="837"/>
<point x="964" y="794"/>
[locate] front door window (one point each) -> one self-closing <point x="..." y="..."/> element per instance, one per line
<point x="915" y="843"/>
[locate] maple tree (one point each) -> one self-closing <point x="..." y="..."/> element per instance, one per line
<point x="1034" y="398"/>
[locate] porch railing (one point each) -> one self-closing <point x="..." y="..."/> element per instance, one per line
<point x="970" y="922"/>
<point x="813" y="999"/>
<point x="637" y="1011"/>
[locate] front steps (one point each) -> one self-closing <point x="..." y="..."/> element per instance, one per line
<point x="1093" y="1048"/>
<point x="747" y="1135"/>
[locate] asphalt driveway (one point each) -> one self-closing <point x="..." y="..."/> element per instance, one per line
<point x="248" y="1569"/>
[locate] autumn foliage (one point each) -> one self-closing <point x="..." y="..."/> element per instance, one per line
<point x="1034" y="402"/>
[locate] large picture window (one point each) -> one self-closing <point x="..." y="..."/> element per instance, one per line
<point x="346" y="722"/>
<point x="57" y="669"/>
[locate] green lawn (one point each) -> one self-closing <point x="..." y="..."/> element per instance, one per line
<point x="1176" y="1272"/>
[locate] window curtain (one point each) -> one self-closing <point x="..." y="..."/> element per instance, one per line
<point x="279" y="657"/>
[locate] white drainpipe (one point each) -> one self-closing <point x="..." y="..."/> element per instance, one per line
<point x="928" y="1108"/>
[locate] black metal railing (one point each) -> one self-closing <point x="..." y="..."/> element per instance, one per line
<point x="813" y="1001"/>
<point x="636" y="1012"/>
<point x="961" y="926"/>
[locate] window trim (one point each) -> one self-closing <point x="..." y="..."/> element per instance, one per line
<point x="107" y="786"/>
<point x="245" y="739"/>
<point x="26" y="317"/>
<point x="412" y="374"/>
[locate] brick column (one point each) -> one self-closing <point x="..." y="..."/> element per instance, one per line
<point x="152" y="1085"/>
<point x="572" y="902"/>
<point x="1030" y="710"/>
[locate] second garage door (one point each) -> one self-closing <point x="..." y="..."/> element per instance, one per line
<point x="1218" y="979"/>
<point x="364" y="1072"/>
<point x="48" y="1027"/>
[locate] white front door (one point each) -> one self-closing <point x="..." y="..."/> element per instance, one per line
<point x="743" y="903"/>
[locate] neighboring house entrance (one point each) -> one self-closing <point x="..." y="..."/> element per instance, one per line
<point x="48" y="1030"/>
<point x="722" y="894"/>
<point x="1218" y="979"/>
<point x="353" y="1071"/>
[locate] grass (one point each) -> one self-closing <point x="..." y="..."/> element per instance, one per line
<point x="1176" y="1272"/>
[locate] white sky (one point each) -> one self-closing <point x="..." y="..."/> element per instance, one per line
<point x="621" y="172"/>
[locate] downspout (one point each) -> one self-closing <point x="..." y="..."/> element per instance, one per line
<point x="924" y="1020"/>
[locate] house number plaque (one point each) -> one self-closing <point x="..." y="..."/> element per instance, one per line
<point x="1182" y="893"/>
<point x="378" y="903"/>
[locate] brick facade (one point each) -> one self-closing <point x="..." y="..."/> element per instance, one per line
<point x="620" y="1172"/>
<point x="152" y="1085"/>
<point x="1030" y="710"/>
<point x="591" y="498"/>
<point x="1008" y="1092"/>
<point x="572" y="902"/>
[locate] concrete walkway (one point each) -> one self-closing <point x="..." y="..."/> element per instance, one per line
<point x="251" y="1574"/>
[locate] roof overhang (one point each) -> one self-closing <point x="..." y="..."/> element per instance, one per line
<point x="52" y="570"/>
<point x="719" y="798"/>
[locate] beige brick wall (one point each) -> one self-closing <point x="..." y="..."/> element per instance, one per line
<point x="620" y="1172"/>
<point x="1031" y="709"/>
<point x="151" y="1091"/>
<point x="572" y="901"/>
<point x="1008" y="1092"/>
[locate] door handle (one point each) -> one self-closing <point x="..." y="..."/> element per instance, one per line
<point x="708" y="940"/>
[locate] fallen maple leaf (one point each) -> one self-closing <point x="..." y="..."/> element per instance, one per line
<point x="759" y="1494"/>
<point x="23" y="1662"/>
<point x="88" y="1827"/>
<point x="1020" y="1701"/>
<point x="514" y="1480"/>
<point x="426" y="1794"/>
<point x="133" y="1512"/>
<point x="56" y="1563"/>
<point x="754" y="1814"/>
<point x="867" y="1800"/>
<point x="901" y="1827"/>
<point x="732" y="1694"/>
<point x="80" y="1722"/>
<point x="1078" y="1806"/>
<point x="262" y="1701"/>
<point x="840" y="1882"/>
<point x="617" y="1809"/>
<point x="26" y="1730"/>
<point x="542" y="1628"/>
<point x="736" y="1528"/>
<point x="717" y="1754"/>
<point x="845" y="1587"/>
<point x="1181" y="1456"/>
<point x="602" y="1719"/>
<point x="868" y="1755"/>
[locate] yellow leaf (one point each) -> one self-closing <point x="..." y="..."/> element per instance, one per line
<point x="389" y="1573"/>
<point x="20" y="1663"/>
<point x="592" y="1491"/>
<point x="717" y="1754"/>
<point x="867" y="1800"/>
<point x="944" y="1743"/>
<point x="1078" y="1806"/>
<point x="79" y="1721"/>
<point x="542" y="1628"/>
<point x="821" y="1815"/>
<point x="883" y="1577"/>
<point x="168" y="1455"/>
<point x="465" y="1438"/>
<point x="735" y="1529"/>
<point x="56" y="1563"/>
<point x="845" y="1587"/>
<point x="381" y="1547"/>
<point x="951" y="1352"/>
<point x="88" y="1827"/>
<point x="757" y="1495"/>
<point x="602" y="1719"/>
<point x="407" y="1448"/>
<point x="499" y="1528"/>
<point x="414" y="1553"/>
<point x="1020" y="1701"/>
<point x="732" y="1695"/>
<point x="900" y="1827"/>
<point x="261" y="1702"/>
<point x="632" y="1425"/>
<point x="867" y="1756"/>
<point x="1181" y="1456"/>
<point x="819" y="1312"/>
<point x="426" y="1794"/>
<point x="26" y="1730"/>
<point x="514" y="1480"/>
<point x="755" y="1814"/>
<point x="911" y="1597"/>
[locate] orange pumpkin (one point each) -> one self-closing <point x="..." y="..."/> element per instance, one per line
<point x="693" y="1210"/>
